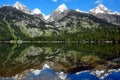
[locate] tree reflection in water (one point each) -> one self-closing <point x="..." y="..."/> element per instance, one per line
<point x="68" y="57"/>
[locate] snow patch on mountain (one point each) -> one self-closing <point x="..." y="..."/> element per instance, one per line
<point x="102" y="9"/>
<point x="78" y="10"/>
<point x="58" y="13"/>
<point x="117" y="13"/>
<point x="61" y="8"/>
<point x="22" y="7"/>
<point x="46" y="17"/>
<point x="36" y="11"/>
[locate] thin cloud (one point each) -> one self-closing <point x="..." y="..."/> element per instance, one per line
<point x="98" y="1"/>
<point x="54" y="0"/>
<point x="101" y="1"/>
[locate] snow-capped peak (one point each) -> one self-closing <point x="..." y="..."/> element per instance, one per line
<point x="6" y="5"/>
<point x="101" y="9"/>
<point x="78" y="10"/>
<point x="101" y="6"/>
<point x="117" y="13"/>
<point x="22" y="7"/>
<point x="61" y="8"/>
<point x="46" y="17"/>
<point x="36" y="11"/>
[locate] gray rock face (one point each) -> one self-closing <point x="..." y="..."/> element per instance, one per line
<point x="111" y="18"/>
<point x="101" y="9"/>
<point x="22" y="7"/>
<point x="59" y="13"/>
<point x="104" y="13"/>
<point x="55" y="16"/>
<point x="74" y="18"/>
<point x="28" y="24"/>
<point x="14" y="15"/>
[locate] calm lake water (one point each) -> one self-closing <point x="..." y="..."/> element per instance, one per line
<point x="27" y="61"/>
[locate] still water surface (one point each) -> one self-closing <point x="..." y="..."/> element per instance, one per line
<point x="20" y="60"/>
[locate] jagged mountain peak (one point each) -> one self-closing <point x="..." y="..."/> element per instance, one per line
<point x="61" y="8"/>
<point x="18" y="5"/>
<point x="78" y="10"/>
<point x="36" y="11"/>
<point x="58" y="13"/>
<point x="102" y="6"/>
<point x="100" y="9"/>
<point x="46" y="17"/>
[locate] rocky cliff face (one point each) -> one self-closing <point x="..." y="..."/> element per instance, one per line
<point x="104" y="13"/>
<point x="22" y="7"/>
<point x="59" y="13"/>
<point x="111" y="18"/>
<point x="21" y="21"/>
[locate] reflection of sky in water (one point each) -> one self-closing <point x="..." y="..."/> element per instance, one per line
<point x="19" y="61"/>
<point x="44" y="75"/>
<point x="82" y="76"/>
<point x="113" y="76"/>
<point x="48" y="74"/>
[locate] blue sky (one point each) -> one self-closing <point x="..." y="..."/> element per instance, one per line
<point x="47" y="6"/>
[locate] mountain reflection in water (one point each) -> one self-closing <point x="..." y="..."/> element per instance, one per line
<point x="68" y="58"/>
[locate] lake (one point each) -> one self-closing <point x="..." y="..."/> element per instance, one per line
<point x="42" y="61"/>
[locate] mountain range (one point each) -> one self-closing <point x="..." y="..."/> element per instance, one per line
<point x="19" y="23"/>
<point x="99" y="9"/>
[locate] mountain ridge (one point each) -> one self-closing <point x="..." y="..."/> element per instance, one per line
<point x="63" y="7"/>
<point x="99" y="9"/>
<point x="22" y="7"/>
<point x="102" y="9"/>
<point x="67" y="23"/>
